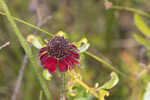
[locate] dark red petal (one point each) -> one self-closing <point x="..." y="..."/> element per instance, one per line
<point x="69" y="63"/>
<point x="42" y="49"/>
<point x="73" y="60"/>
<point x="51" y="64"/>
<point x="44" y="58"/>
<point x="62" y="67"/>
<point x="73" y="47"/>
<point x="75" y="55"/>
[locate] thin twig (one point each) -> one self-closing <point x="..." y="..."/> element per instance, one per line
<point x="44" y="21"/>
<point x="104" y="62"/>
<point x="25" y="61"/>
<point x="4" y="45"/>
<point x="20" y="76"/>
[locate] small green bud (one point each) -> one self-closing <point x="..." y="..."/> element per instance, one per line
<point x="47" y="75"/>
<point x="35" y="40"/>
<point x="61" y="33"/>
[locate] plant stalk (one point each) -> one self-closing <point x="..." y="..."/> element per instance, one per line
<point x="27" y="49"/>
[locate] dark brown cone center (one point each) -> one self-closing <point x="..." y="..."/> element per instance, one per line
<point x="58" y="47"/>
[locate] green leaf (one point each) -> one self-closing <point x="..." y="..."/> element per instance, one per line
<point x="82" y="45"/>
<point x="140" y="24"/>
<point x="147" y="93"/>
<point x="103" y="93"/>
<point x="111" y="83"/>
<point x="108" y="85"/>
<point x="77" y="92"/>
<point x="142" y="41"/>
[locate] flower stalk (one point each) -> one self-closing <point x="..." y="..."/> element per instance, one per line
<point x="87" y="87"/>
<point x="105" y="63"/>
<point x="27" y="49"/>
<point x="77" y="80"/>
<point x="63" y="87"/>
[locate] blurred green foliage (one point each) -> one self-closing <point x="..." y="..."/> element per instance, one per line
<point x="109" y="32"/>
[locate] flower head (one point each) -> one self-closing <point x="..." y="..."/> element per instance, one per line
<point x="59" y="52"/>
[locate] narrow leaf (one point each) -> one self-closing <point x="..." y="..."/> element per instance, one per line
<point x="142" y="41"/>
<point x="140" y="24"/>
<point x="111" y="83"/>
<point x="102" y="94"/>
<point x="83" y="45"/>
<point x="147" y="93"/>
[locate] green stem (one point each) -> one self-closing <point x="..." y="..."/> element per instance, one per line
<point x="84" y="85"/>
<point x="64" y="81"/>
<point x="27" y="49"/>
<point x="41" y="94"/>
<point x="104" y="62"/>
<point x="63" y="88"/>
<point x="132" y="10"/>
<point x="28" y="24"/>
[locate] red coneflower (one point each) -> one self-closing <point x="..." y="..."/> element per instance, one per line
<point x="59" y="52"/>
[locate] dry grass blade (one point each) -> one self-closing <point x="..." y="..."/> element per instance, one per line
<point x="4" y="45"/>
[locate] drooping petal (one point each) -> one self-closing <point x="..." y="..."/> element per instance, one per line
<point x="75" y="55"/>
<point x="62" y="66"/>
<point x="44" y="58"/>
<point x="42" y="50"/>
<point x="73" y="47"/>
<point x="51" y="64"/>
<point x="68" y="62"/>
<point x="73" y="60"/>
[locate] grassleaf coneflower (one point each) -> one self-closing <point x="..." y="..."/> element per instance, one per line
<point x="59" y="52"/>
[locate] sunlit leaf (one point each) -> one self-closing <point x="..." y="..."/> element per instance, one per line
<point x="142" y="41"/>
<point x="82" y="45"/>
<point x="102" y="94"/>
<point x="96" y="85"/>
<point x="111" y="83"/>
<point x="140" y="24"/>
<point x="147" y="93"/>
<point x="46" y="41"/>
<point x="77" y="92"/>
<point x="83" y="40"/>
<point x="108" y="85"/>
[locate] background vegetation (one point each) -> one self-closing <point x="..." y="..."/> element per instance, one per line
<point x="111" y="34"/>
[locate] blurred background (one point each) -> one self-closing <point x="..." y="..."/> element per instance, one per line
<point x="109" y="32"/>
